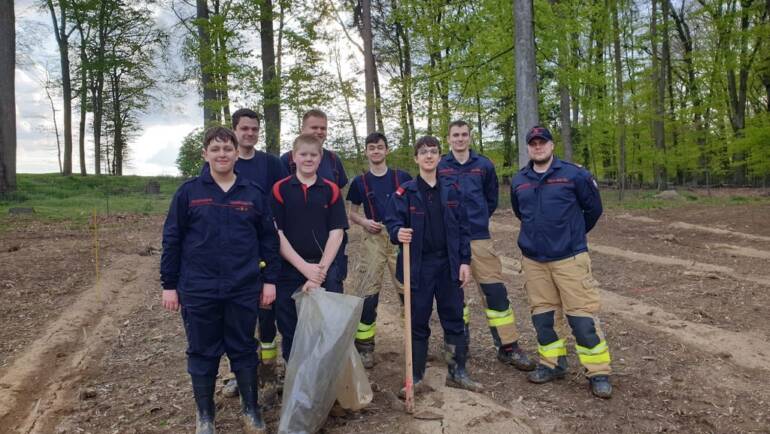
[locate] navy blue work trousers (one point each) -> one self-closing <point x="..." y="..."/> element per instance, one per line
<point x="436" y="282"/>
<point x="216" y="325"/>
<point x="291" y="281"/>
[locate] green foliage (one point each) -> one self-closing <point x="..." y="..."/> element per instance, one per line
<point x="75" y="197"/>
<point x="190" y="159"/>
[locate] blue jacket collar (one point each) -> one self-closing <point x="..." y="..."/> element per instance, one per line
<point x="555" y="164"/>
<point x="208" y="179"/>
<point x="450" y="158"/>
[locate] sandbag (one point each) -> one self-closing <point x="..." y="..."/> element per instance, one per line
<point x="326" y="327"/>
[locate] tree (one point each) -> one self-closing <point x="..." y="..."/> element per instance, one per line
<point x="366" y="35"/>
<point x="271" y="80"/>
<point x="62" y="34"/>
<point x="7" y="97"/>
<point x="189" y="161"/>
<point x="526" y="75"/>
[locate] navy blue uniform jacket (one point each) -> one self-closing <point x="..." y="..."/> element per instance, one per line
<point x="478" y="181"/>
<point x="556" y="211"/>
<point x="213" y="241"/>
<point x="406" y="209"/>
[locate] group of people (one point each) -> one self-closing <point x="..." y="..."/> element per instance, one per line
<point x="240" y="239"/>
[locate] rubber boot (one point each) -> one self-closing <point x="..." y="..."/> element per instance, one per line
<point x="513" y="355"/>
<point x="251" y="415"/>
<point x="457" y="377"/>
<point x="419" y="360"/>
<point x="544" y="374"/>
<point x="600" y="386"/>
<point x="366" y="351"/>
<point x="203" y="391"/>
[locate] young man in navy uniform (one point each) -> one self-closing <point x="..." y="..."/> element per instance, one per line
<point x="310" y="216"/>
<point x="373" y="190"/>
<point x="264" y="169"/>
<point x="430" y="216"/>
<point x="477" y="179"/>
<point x="218" y="230"/>
<point x="558" y="203"/>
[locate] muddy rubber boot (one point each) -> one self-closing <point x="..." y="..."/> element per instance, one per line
<point x="366" y="351"/>
<point x="513" y="355"/>
<point x="251" y="414"/>
<point x="544" y="374"/>
<point x="203" y="391"/>
<point x="457" y="376"/>
<point x="419" y="360"/>
<point x="600" y="386"/>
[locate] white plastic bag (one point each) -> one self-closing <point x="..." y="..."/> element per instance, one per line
<point x="326" y="327"/>
<point x="353" y="389"/>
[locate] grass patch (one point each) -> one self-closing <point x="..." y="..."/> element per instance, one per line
<point x="74" y="198"/>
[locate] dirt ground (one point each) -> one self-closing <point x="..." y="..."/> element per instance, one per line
<point x="686" y="298"/>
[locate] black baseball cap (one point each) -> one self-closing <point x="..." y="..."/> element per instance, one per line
<point x="539" y="132"/>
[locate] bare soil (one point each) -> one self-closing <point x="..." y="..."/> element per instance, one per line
<point x="685" y="311"/>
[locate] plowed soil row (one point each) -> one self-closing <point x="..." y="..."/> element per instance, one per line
<point x="688" y="344"/>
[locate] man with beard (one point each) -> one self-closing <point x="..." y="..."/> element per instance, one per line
<point x="558" y="203"/>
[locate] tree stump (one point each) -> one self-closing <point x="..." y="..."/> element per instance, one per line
<point x="152" y="187"/>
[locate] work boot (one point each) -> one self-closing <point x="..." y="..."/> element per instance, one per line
<point x="513" y="355"/>
<point x="251" y="415"/>
<point x="366" y="351"/>
<point x="419" y="360"/>
<point x="544" y="374"/>
<point x="457" y="377"/>
<point x="230" y="388"/>
<point x="418" y="388"/>
<point x="203" y="391"/>
<point x="600" y="386"/>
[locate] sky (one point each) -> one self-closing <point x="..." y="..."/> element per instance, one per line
<point x="152" y="152"/>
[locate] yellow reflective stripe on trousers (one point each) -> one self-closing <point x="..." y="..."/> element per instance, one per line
<point x="597" y="355"/>
<point x="466" y="315"/>
<point x="365" y="331"/>
<point x="497" y="318"/>
<point x="267" y="350"/>
<point x="553" y="350"/>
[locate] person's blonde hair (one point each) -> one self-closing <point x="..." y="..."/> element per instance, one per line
<point x="307" y="139"/>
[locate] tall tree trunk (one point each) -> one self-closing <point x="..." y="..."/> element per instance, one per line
<point x="83" y="102"/>
<point x="479" y="114"/>
<point x="97" y="90"/>
<point x="408" y="80"/>
<point x="665" y="12"/>
<point x="619" y="106"/>
<point x="7" y="97"/>
<point x="346" y="98"/>
<point x="210" y="115"/>
<point x="507" y="130"/>
<point x="564" y="96"/>
<point x="378" y="98"/>
<point x="659" y="95"/>
<point x="55" y="122"/>
<point x="366" y="35"/>
<point x="62" y="40"/>
<point x="271" y="82"/>
<point x="693" y="93"/>
<point x="527" y="114"/>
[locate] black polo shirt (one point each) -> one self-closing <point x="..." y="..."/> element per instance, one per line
<point x="306" y="214"/>
<point x="434" y="239"/>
